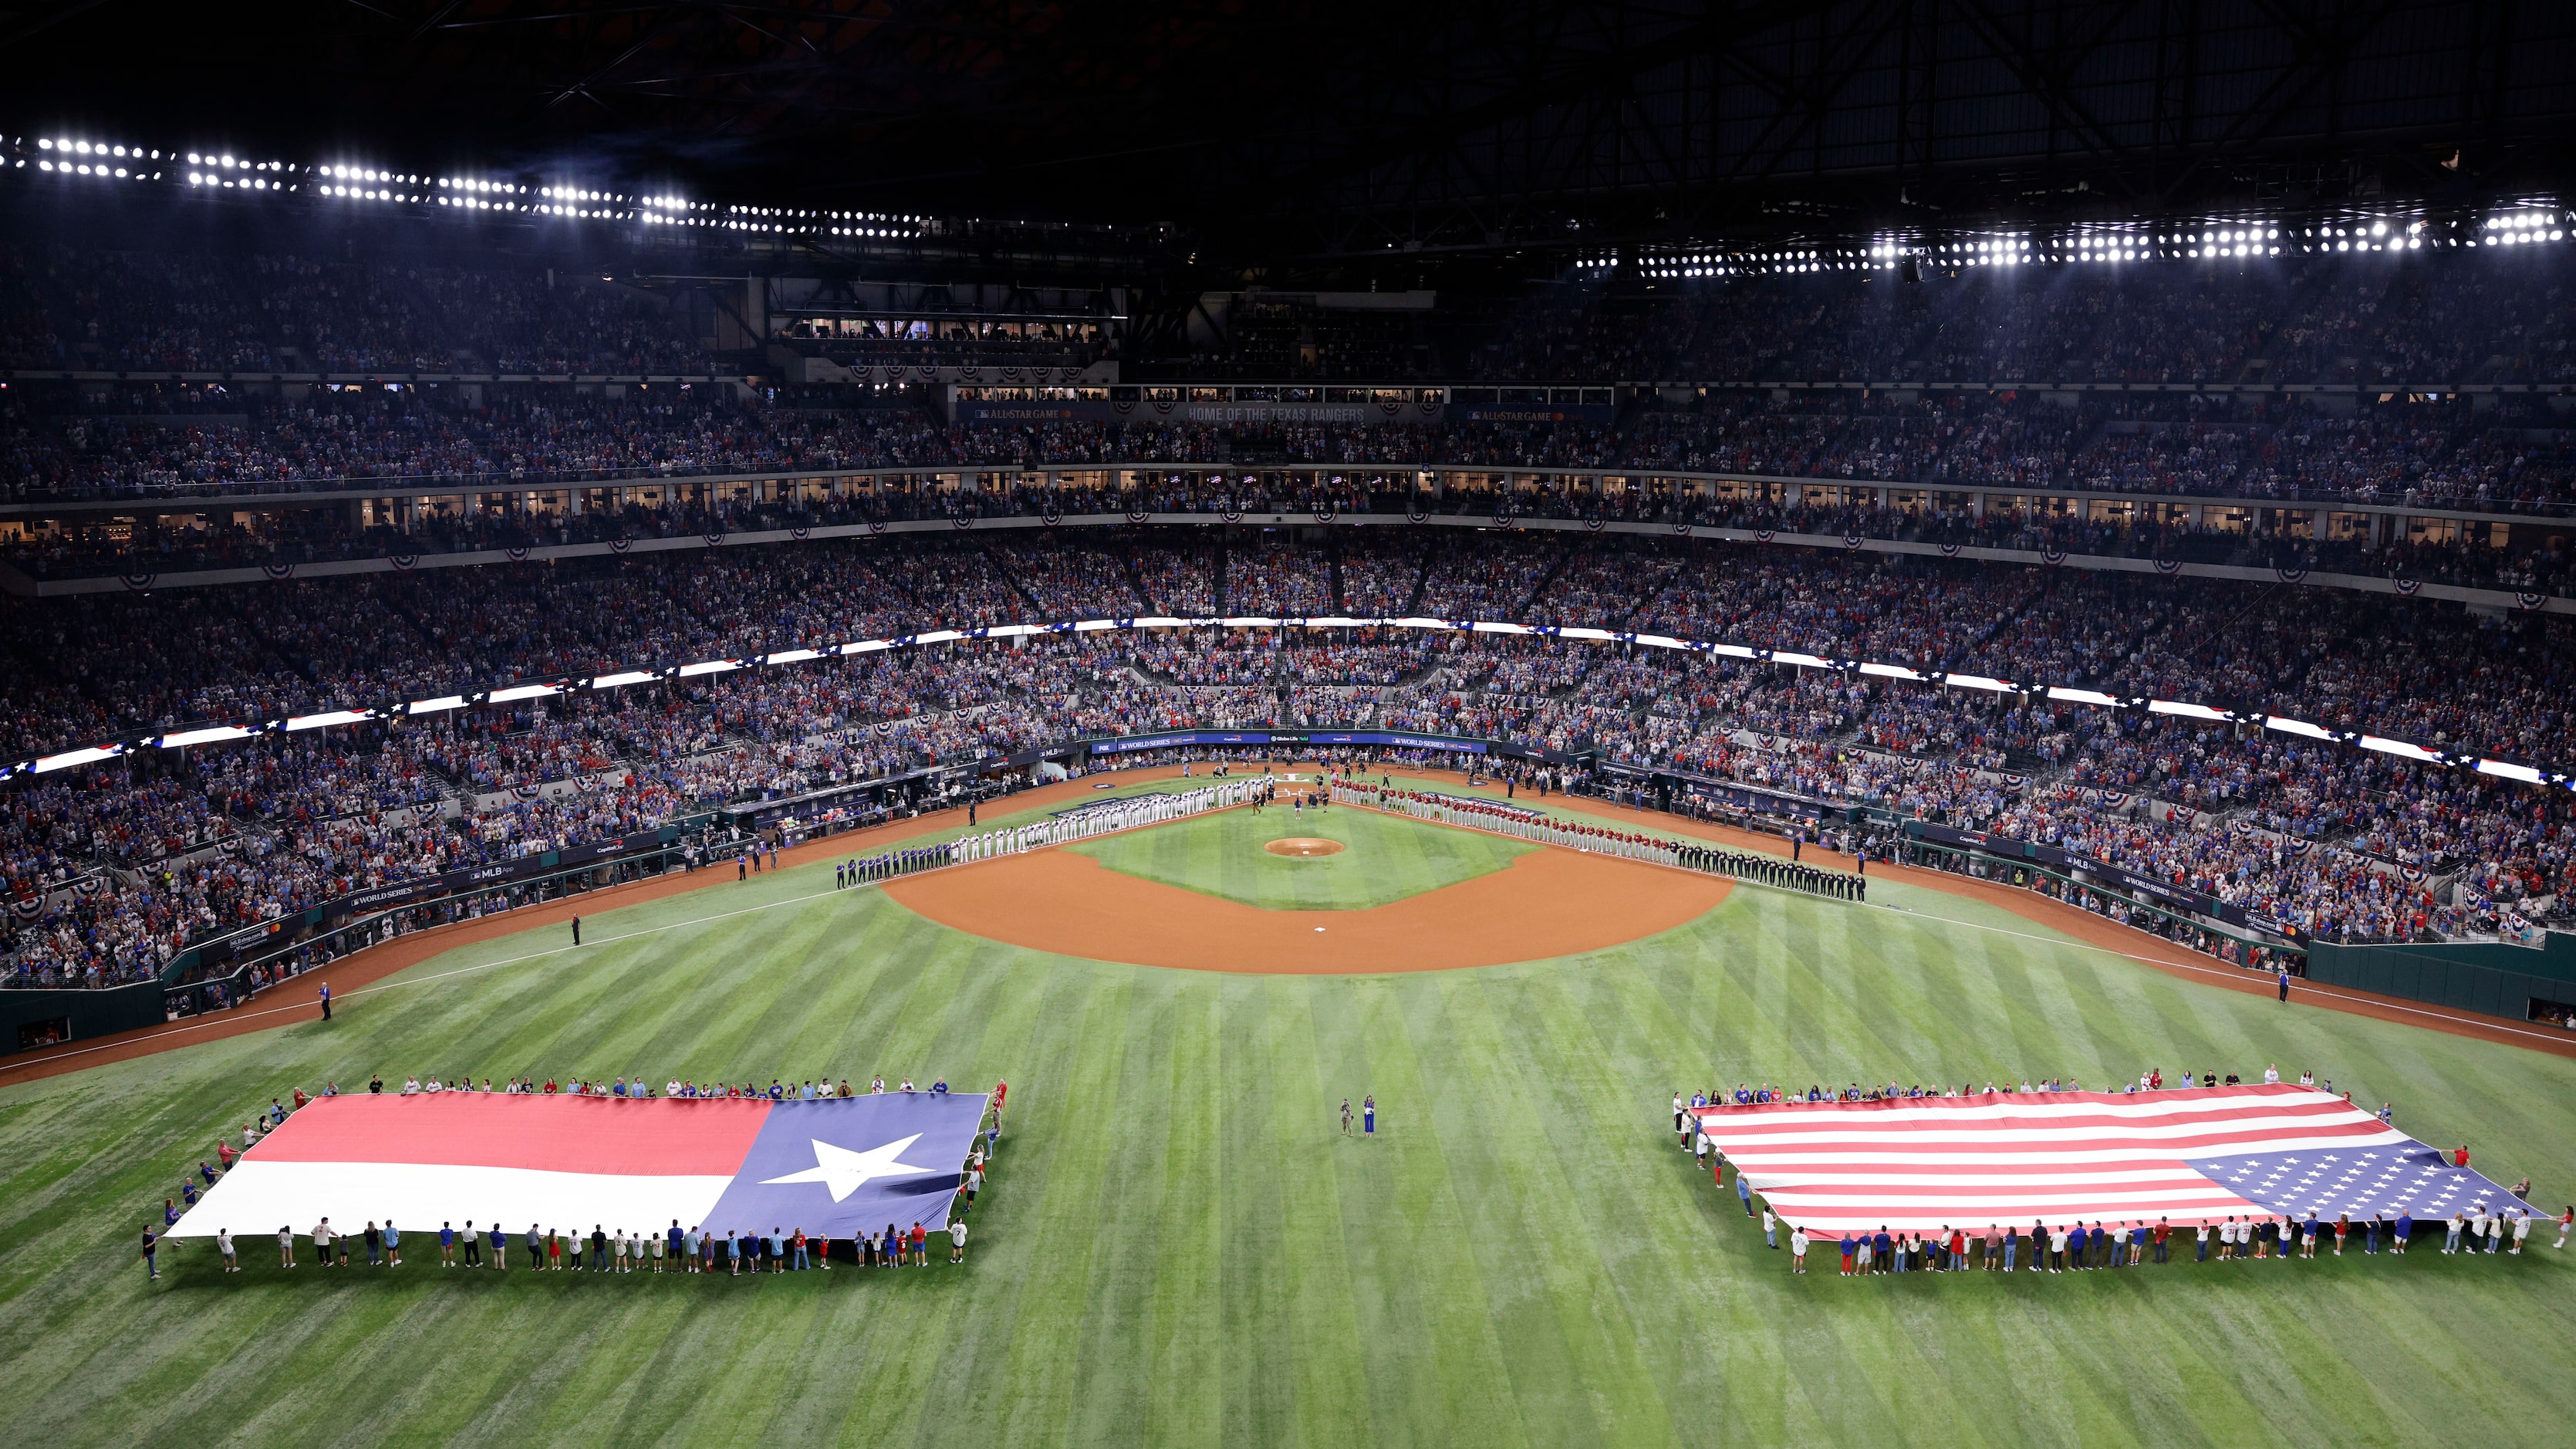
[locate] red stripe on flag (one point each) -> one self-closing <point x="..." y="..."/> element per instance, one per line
<point x="1926" y="1161"/>
<point x="656" y="1137"/>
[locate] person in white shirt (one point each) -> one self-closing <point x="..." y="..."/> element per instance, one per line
<point x="957" y="1241"/>
<point x="2521" y="1229"/>
<point x="1769" y="1238"/>
<point x="224" y="1248"/>
<point x="2271" y="1073"/>
<point x="433" y="1088"/>
<point x="1797" y="1249"/>
<point x="286" y="1247"/>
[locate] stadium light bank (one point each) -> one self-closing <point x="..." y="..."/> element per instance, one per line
<point x="520" y="690"/>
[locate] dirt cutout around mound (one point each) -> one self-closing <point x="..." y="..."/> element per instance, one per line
<point x="1303" y="847"/>
<point x="1546" y="903"/>
<point x="355" y="978"/>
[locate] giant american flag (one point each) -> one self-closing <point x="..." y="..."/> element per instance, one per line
<point x="2193" y="1155"/>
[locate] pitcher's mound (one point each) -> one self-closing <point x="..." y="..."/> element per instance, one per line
<point x="1303" y="846"/>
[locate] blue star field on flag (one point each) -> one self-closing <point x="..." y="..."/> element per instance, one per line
<point x="2405" y="1177"/>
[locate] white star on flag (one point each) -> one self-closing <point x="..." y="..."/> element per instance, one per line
<point x="845" y="1172"/>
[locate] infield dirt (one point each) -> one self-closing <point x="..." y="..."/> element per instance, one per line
<point x="1546" y="903"/>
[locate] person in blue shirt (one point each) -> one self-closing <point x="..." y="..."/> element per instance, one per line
<point x="1368" y="1116"/>
<point x="2075" y="1242"/>
<point x="500" y="1247"/>
<point x="188" y="1191"/>
<point x="447" y="1245"/>
<point x="733" y="1253"/>
<point x="393" y="1245"/>
<point x="1881" y="1247"/>
<point x="939" y="1087"/>
<point x="2405" y="1230"/>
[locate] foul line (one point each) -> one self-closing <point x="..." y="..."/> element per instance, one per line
<point x="210" y="1020"/>
<point x="2229" y="973"/>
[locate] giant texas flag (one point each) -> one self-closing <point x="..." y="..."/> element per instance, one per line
<point x="2191" y="1156"/>
<point x="841" y="1166"/>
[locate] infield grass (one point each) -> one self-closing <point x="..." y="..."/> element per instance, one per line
<point x="1385" y="857"/>
<point x="1179" y="1247"/>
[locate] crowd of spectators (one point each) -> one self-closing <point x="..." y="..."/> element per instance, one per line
<point x="216" y="311"/>
<point x="115" y="868"/>
<point x="2495" y="315"/>
<point x="2253" y="481"/>
<point x="112" y="869"/>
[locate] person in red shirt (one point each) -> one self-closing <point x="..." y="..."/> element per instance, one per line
<point x="2461" y="1157"/>
<point x="224" y="1154"/>
<point x="2163" y="1227"/>
<point x="300" y="1099"/>
<point x="920" y="1252"/>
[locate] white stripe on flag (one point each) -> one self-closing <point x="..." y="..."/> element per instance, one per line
<point x="1965" y="1162"/>
<point x="257" y="1198"/>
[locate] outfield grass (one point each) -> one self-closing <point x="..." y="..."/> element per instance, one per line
<point x="1180" y="1248"/>
<point x="1386" y="857"/>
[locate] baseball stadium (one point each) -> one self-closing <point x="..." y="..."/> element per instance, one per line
<point x="1424" y="725"/>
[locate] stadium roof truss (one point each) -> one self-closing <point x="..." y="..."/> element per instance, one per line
<point x="1331" y="128"/>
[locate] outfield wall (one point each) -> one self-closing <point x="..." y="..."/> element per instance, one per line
<point x="2492" y="978"/>
<point x="73" y="1015"/>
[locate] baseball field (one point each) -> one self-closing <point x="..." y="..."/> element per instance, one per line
<point x="1179" y="1245"/>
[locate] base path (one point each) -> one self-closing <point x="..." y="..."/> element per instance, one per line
<point x="2139" y="946"/>
<point x="1545" y="903"/>
<point x="294" y="999"/>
